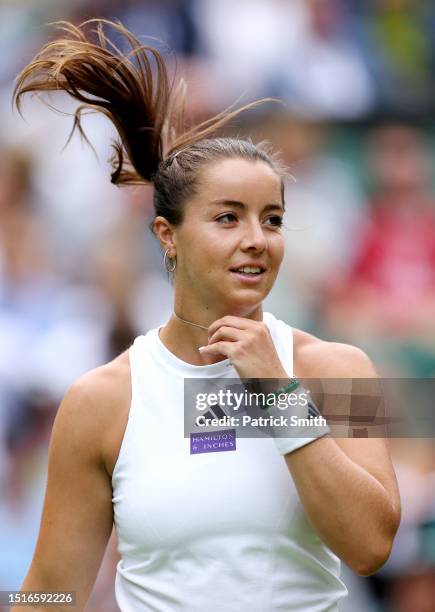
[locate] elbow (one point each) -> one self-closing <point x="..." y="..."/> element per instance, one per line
<point x="372" y="559"/>
<point x="369" y="564"/>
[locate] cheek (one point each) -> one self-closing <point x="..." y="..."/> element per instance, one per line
<point x="202" y="252"/>
<point x="215" y="247"/>
<point x="277" y="248"/>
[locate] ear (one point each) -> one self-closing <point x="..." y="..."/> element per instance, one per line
<point x="164" y="231"/>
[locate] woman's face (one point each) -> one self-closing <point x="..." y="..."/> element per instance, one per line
<point x="232" y="223"/>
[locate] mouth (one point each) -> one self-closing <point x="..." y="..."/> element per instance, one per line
<point x="249" y="273"/>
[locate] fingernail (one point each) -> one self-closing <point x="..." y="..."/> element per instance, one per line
<point x="201" y="348"/>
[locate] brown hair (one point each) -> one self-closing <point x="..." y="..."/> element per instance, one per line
<point x="133" y="90"/>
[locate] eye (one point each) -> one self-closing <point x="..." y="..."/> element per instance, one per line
<point x="276" y="220"/>
<point x="227" y="218"/>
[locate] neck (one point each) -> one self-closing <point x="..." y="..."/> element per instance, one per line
<point x="190" y="322"/>
<point x="183" y="338"/>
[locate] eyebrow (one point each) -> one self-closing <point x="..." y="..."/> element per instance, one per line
<point x="243" y="206"/>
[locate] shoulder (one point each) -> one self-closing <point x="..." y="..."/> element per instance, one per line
<point x="101" y="386"/>
<point x="95" y="408"/>
<point x="319" y="358"/>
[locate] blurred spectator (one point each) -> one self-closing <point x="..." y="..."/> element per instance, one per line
<point x="52" y="330"/>
<point x="398" y="43"/>
<point x="326" y="75"/>
<point x="245" y="44"/>
<point x="169" y="22"/>
<point x="301" y="51"/>
<point x="390" y="290"/>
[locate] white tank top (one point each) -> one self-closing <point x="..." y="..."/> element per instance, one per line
<point x="216" y="531"/>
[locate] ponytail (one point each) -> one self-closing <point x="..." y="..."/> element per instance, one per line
<point x="132" y="89"/>
<point x="102" y="78"/>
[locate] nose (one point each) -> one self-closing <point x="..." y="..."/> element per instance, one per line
<point x="253" y="237"/>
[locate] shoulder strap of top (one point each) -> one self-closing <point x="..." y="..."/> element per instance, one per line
<point x="282" y="336"/>
<point x="131" y="428"/>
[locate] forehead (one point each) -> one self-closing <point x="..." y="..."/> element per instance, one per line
<point x="240" y="179"/>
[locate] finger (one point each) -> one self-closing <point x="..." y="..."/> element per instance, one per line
<point x="230" y="321"/>
<point x="218" y="348"/>
<point x="226" y="333"/>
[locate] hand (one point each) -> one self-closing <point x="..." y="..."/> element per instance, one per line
<point x="249" y="346"/>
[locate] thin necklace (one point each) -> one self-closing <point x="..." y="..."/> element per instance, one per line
<point x="190" y="322"/>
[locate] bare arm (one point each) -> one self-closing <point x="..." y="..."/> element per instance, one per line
<point x="347" y="486"/>
<point x="77" y="515"/>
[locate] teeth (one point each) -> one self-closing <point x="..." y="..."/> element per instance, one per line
<point x="249" y="270"/>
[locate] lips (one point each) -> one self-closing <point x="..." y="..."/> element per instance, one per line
<point x="248" y="277"/>
<point x="249" y="268"/>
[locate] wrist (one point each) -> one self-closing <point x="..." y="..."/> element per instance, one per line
<point x="269" y="385"/>
<point x="300" y="420"/>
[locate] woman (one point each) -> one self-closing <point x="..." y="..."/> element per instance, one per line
<point x="244" y="529"/>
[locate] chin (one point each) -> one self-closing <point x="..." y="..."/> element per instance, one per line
<point x="244" y="302"/>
